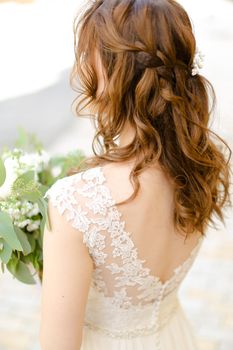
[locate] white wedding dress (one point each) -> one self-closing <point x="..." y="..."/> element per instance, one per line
<point x="128" y="308"/>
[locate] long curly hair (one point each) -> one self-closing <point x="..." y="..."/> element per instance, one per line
<point x="147" y="50"/>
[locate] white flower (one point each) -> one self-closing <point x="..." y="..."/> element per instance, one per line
<point x="33" y="226"/>
<point x="23" y="223"/>
<point x="197" y="62"/>
<point x="15" y="214"/>
<point x="35" y="161"/>
<point x="34" y="211"/>
<point x="56" y="170"/>
<point x="26" y="207"/>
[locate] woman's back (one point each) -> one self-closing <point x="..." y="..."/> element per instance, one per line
<point x="139" y="262"/>
<point x="153" y="230"/>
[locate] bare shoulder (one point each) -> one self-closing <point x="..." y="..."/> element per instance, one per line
<point x="123" y="169"/>
<point x="151" y="180"/>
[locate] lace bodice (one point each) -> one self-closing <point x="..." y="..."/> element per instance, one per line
<point x="125" y="299"/>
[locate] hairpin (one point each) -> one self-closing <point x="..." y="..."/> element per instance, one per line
<point x="197" y="62"/>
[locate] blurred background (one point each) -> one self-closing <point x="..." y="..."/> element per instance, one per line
<point x="36" y="39"/>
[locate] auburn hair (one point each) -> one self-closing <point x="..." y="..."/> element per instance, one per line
<point x="147" y="50"/>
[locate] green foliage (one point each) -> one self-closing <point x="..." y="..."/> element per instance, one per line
<point x="20" y="270"/>
<point x="71" y="160"/>
<point x="26" y="187"/>
<point x="21" y="248"/>
<point x="23" y="239"/>
<point x="7" y="232"/>
<point x="5" y="251"/>
<point x="28" y="141"/>
<point x="2" y="172"/>
<point x="44" y="212"/>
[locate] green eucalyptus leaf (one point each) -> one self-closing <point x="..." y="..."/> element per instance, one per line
<point x="26" y="187"/>
<point x="5" y="252"/>
<point x="12" y="264"/>
<point x="2" y="172"/>
<point x="2" y="267"/>
<point x="42" y="228"/>
<point x="32" y="242"/>
<point x="40" y="239"/>
<point x="23" y="240"/>
<point x="36" y="264"/>
<point x="22" y="273"/>
<point x="7" y="232"/>
<point x="31" y="196"/>
<point x="43" y="189"/>
<point x="42" y="203"/>
<point x="27" y="259"/>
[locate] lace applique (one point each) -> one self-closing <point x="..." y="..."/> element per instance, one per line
<point x="62" y="195"/>
<point x="137" y="331"/>
<point x="119" y="275"/>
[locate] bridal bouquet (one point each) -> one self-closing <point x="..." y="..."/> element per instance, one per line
<point x="25" y="175"/>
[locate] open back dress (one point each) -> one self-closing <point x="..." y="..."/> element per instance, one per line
<point x="128" y="307"/>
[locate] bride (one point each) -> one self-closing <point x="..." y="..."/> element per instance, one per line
<point x="127" y="224"/>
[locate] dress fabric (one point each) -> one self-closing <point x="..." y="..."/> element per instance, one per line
<point x="127" y="307"/>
